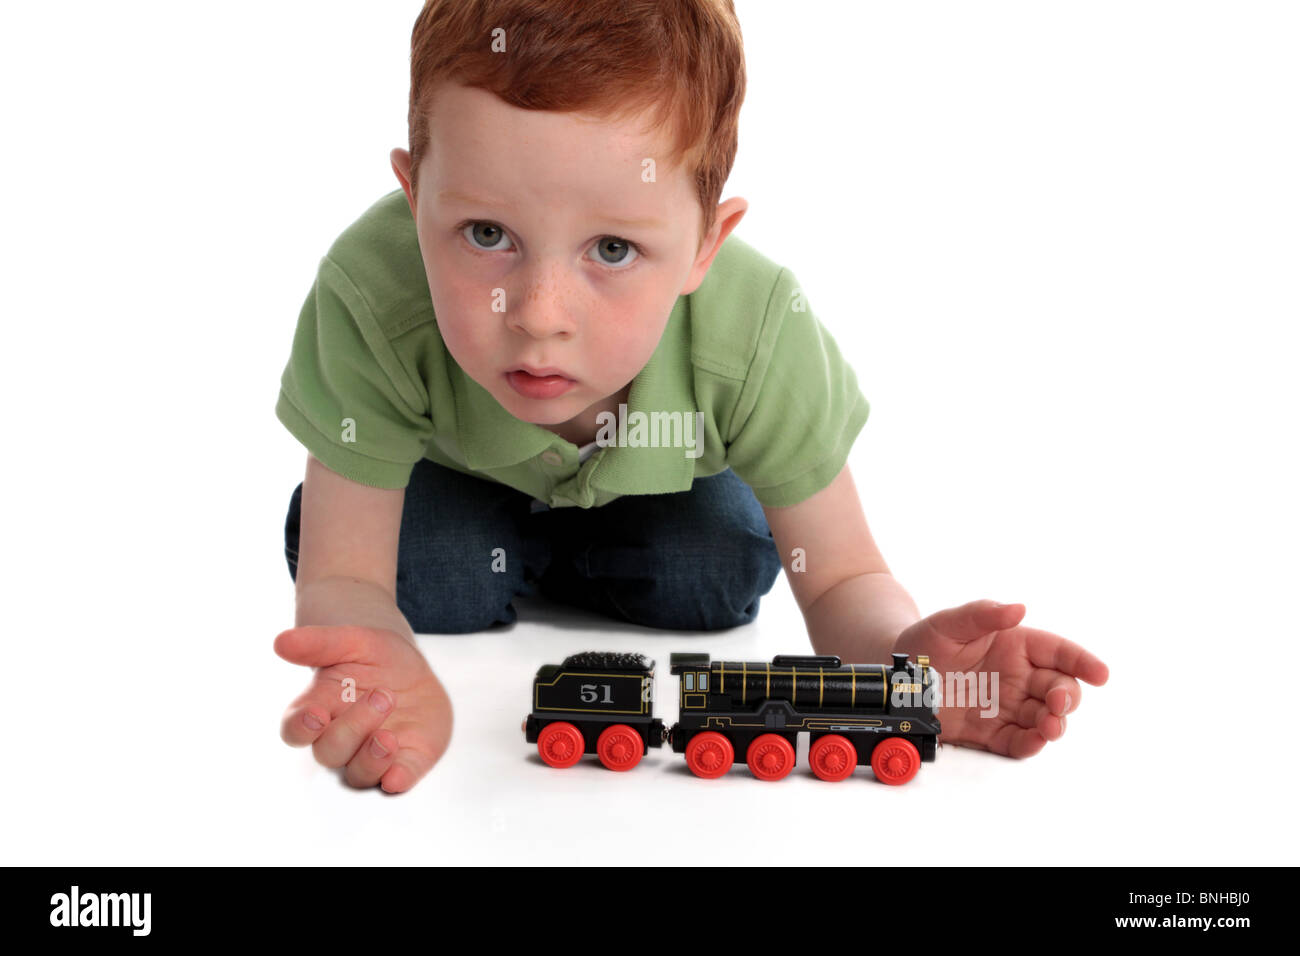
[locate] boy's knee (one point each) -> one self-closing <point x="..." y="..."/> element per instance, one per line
<point x="455" y="605"/>
<point x="455" y="584"/>
<point x="697" y="587"/>
<point x="698" y="560"/>
<point x="724" y="591"/>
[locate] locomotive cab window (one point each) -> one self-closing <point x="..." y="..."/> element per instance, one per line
<point x="704" y="682"/>
<point x="690" y="681"/>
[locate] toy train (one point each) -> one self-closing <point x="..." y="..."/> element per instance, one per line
<point x="885" y="715"/>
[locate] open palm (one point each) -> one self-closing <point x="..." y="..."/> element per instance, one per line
<point x="373" y="707"/>
<point x="1038" y="675"/>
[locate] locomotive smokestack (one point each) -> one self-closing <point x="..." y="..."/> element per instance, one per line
<point x="900" y="661"/>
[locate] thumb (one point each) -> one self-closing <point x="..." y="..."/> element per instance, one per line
<point x="977" y="619"/>
<point x="322" y="645"/>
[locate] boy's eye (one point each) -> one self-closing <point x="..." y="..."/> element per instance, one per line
<point x="609" y="251"/>
<point x="615" y="252"/>
<point x="485" y="236"/>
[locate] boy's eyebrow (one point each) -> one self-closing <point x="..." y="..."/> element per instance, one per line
<point x="468" y="200"/>
<point x="450" y="194"/>
<point x="637" y="223"/>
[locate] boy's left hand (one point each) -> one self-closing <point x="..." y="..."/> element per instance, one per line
<point x="1036" y="670"/>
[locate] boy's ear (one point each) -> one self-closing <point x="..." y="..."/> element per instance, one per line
<point x="729" y="215"/>
<point x="401" y="161"/>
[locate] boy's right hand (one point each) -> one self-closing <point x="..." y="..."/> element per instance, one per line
<point x="386" y="670"/>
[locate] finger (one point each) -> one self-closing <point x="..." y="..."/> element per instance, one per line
<point x="1059" y="691"/>
<point x="322" y="645"/>
<point x="309" y="715"/>
<point x="407" y="770"/>
<point x="1012" y="733"/>
<point x="1016" y="741"/>
<point x="337" y="745"/>
<point x="372" y="759"/>
<point x="1051" y="650"/>
<point x="1034" y="715"/>
<point x="412" y="764"/>
<point x="970" y="622"/>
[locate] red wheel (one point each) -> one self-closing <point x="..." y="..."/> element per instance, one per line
<point x="619" y="747"/>
<point x="833" y="757"/>
<point x="895" y="760"/>
<point x="560" y="744"/>
<point x="709" y="755"/>
<point x="770" y="757"/>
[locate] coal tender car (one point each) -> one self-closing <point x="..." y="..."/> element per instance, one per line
<point x="597" y="702"/>
<point x="884" y="715"/>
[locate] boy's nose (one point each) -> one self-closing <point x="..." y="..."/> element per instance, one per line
<point x="540" y="321"/>
<point x="545" y="307"/>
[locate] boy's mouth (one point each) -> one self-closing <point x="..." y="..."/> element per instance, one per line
<point x="539" y="382"/>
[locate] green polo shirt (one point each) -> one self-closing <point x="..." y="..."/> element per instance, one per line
<point x="370" y="389"/>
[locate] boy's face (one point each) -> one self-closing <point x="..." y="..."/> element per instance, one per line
<point x="545" y="250"/>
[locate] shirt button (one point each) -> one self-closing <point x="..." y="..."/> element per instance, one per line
<point x="551" y="457"/>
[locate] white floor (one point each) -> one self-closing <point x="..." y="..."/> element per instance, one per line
<point x="168" y="777"/>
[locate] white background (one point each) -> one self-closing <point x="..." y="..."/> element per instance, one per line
<point x="1057" y="241"/>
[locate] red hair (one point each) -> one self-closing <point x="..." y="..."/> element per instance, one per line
<point x="682" y="60"/>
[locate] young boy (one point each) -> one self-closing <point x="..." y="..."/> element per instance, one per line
<point x="546" y="362"/>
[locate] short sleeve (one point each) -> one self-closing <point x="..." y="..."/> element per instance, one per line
<point x="800" y="409"/>
<point x="345" y="393"/>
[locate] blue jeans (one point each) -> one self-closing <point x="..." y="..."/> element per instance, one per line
<point x="693" y="560"/>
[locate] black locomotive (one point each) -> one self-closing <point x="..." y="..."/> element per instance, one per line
<point x="885" y="715"/>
